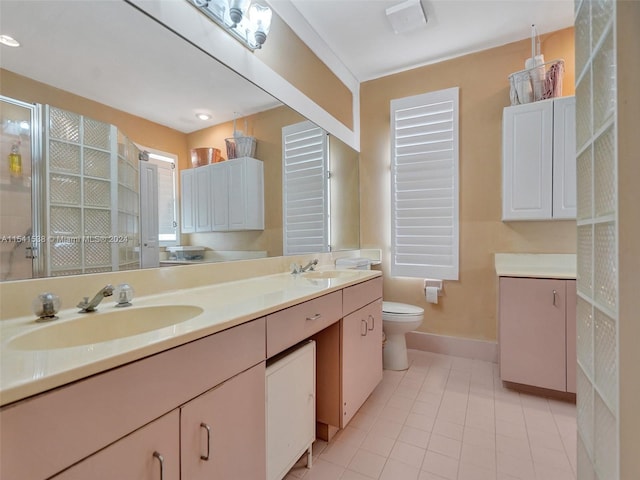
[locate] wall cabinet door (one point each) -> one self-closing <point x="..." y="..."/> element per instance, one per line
<point x="564" y="158"/>
<point x="203" y="199"/>
<point x="533" y="331"/>
<point x="538" y="160"/>
<point x="223" y="431"/>
<point x="188" y="200"/>
<point x="361" y="357"/>
<point x="150" y="453"/>
<point x="219" y="197"/>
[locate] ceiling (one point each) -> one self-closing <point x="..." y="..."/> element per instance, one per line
<point x="112" y="53"/>
<point x="360" y="35"/>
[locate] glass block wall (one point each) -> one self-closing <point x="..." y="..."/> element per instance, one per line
<point x="92" y="196"/>
<point x="597" y="309"/>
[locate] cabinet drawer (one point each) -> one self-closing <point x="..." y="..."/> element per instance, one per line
<point x="287" y="327"/>
<point x="44" y="434"/>
<point x="357" y="296"/>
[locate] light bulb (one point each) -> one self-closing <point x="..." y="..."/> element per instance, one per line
<point x="260" y="17"/>
<point x="237" y="10"/>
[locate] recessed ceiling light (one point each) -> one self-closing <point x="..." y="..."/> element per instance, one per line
<point x="203" y="116"/>
<point x="9" y="41"/>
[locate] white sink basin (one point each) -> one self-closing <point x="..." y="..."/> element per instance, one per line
<point x="101" y="326"/>
<point x="331" y="274"/>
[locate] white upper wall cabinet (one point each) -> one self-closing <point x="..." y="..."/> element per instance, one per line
<point x="539" y="160"/>
<point x="224" y="196"/>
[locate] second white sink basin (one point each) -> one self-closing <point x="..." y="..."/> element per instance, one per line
<point x="97" y="327"/>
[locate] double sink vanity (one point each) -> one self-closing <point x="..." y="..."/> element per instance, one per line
<point x="174" y="386"/>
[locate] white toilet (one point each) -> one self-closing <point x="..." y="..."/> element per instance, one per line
<point x="397" y="320"/>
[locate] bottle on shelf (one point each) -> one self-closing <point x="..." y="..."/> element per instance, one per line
<point x="15" y="160"/>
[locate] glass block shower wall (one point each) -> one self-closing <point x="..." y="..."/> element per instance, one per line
<point x="92" y="196"/>
<point x="597" y="310"/>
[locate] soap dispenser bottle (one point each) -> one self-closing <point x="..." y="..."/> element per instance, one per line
<point x="15" y="160"/>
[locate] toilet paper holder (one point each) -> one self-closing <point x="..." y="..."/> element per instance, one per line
<point x="439" y="284"/>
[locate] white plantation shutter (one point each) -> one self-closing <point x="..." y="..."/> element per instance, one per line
<point x="424" y="185"/>
<point x="305" y="193"/>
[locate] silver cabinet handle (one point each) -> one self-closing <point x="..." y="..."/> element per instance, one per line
<point x="161" y="460"/>
<point x="555" y="296"/>
<point x="363" y="321"/>
<point x="208" y="429"/>
<point x="373" y="322"/>
<point x="315" y="317"/>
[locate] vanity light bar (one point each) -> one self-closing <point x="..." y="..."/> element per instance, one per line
<point x="251" y="30"/>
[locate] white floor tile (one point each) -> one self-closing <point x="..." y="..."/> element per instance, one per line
<point x="449" y="418"/>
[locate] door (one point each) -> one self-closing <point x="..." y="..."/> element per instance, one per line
<point x="150" y="453"/>
<point x="203" y="199"/>
<point x="361" y="357"/>
<point x="220" y="196"/>
<point x="20" y="147"/>
<point x="564" y="158"/>
<point x="149" y="244"/>
<point x="188" y="200"/>
<point x="237" y="194"/>
<point x="223" y="431"/>
<point x="533" y="332"/>
<point x="527" y="161"/>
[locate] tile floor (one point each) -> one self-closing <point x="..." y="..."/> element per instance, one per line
<point x="449" y="418"/>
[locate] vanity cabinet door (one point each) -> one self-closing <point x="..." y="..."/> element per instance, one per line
<point x="361" y="357"/>
<point x="223" y="432"/>
<point x="150" y="453"/>
<point x="533" y="332"/>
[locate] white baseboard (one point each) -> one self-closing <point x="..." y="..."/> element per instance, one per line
<point x="460" y="347"/>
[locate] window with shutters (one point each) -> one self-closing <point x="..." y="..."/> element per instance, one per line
<point x="167" y="205"/>
<point x="424" y="185"/>
<point x="305" y="189"/>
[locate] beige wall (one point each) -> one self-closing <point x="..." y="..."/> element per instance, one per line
<point x="468" y="308"/>
<point x="628" y="48"/>
<point x="345" y="200"/>
<point x="267" y="128"/>
<point x="138" y="129"/>
<point x="287" y="55"/>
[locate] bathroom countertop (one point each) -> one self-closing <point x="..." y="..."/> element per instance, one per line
<point x="27" y="372"/>
<point x="537" y="265"/>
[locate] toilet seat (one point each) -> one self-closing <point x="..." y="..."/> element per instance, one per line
<point x="401" y="312"/>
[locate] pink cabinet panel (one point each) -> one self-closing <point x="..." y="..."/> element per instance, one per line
<point x="223" y="431"/>
<point x="362" y="294"/>
<point x="74" y="421"/>
<point x="533" y="332"/>
<point x="572" y="358"/>
<point x="292" y="325"/>
<point x="361" y="357"/>
<point x="150" y="453"/>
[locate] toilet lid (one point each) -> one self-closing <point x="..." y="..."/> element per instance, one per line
<point x="401" y="308"/>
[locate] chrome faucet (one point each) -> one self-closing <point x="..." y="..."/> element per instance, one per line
<point x="90" y="306"/>
<point x="300" y="269"/>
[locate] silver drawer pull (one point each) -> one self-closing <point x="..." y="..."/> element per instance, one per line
<point x="161" y="460"/>
<point x="315" y="317"/>
<point x="555" y="296"/>
<point x="373" y="322"/>
<point x="208" y="429"/>
<point x="363" y="322"/>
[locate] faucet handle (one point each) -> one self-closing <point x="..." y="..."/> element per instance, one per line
<point x="124" y="292"/>
<point x="45" y="306"/>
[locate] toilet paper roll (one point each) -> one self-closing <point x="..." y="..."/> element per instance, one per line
<point x="431" y="294"/>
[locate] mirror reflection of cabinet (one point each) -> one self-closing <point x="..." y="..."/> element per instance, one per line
<point x="224" y="196"/>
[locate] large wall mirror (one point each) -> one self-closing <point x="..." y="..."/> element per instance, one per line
<point x="106" y="65"/>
